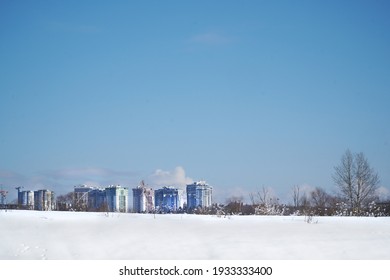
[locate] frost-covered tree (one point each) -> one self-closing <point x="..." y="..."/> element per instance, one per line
<point x="265" y="203"/>
<point x="296" y="196"/>
<point x="356" y="180"/>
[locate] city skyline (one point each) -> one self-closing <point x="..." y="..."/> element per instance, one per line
<point x="244" y="94"/>
<point x="145" y="199"/>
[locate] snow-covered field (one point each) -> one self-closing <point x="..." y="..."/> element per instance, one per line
<point x="33" y="235"/>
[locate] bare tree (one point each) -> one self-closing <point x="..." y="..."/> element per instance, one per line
<point x="265" y="202"/>
<point x="356" y="180"/>
<point x="262" y="197"/>
<point x="304" y="201"/>
<point x="320" y="200"/>
<point x="344" y="175"/>
<point x="252" y="199"/>
<point x="296" y="196"/>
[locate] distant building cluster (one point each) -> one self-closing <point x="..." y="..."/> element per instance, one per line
<point x="43" y="200"/>
<point x="111" y="199"/>
<point x="167" y="199"/>
<point x="171" y="199"/>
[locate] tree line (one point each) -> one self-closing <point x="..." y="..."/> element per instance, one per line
<point x="357" y="184"/>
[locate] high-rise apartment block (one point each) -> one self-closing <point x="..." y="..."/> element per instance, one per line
<point x="81" y="197"/>
<point x="26" y="200"/>
<point x="111" y="199"/>
<point x="117" y="199"/>
<point x="143" y="199"/>
<point x="167" y="199"/>
<point x="199" y="194"/>
<point x="42" y="200"/>
<point x="97" y="200"/>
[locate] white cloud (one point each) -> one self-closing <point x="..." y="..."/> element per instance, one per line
<point x="383" y="193"/>
<point x="176" y="177"/>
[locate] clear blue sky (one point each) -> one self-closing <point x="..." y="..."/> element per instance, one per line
<point x="242" y="94"/>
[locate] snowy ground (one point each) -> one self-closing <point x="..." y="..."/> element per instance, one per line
<point x="33" y="235"/>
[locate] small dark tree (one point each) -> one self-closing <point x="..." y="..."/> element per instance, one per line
<point x="234" y="205"/>
<point x="320" y="201"/>
<point x="301" y="201"/>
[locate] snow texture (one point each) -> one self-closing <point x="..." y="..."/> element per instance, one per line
<point x="34" y="235"/>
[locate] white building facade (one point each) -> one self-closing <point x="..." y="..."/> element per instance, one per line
<point x="44" y="200"/>
<point x="26" y="200"/>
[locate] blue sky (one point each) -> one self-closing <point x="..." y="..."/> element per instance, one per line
<point x="242" y="94"/>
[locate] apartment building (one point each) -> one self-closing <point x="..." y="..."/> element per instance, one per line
<point x="143" y="199"/>
<point x="199" y="194"/>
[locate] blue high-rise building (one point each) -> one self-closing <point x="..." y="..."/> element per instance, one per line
<point x="117" y="199"/>
<point x="167" y="199"/>
<point x="199" y="194"/>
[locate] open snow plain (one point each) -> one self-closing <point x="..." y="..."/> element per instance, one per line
<point x="33" y="235"/>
